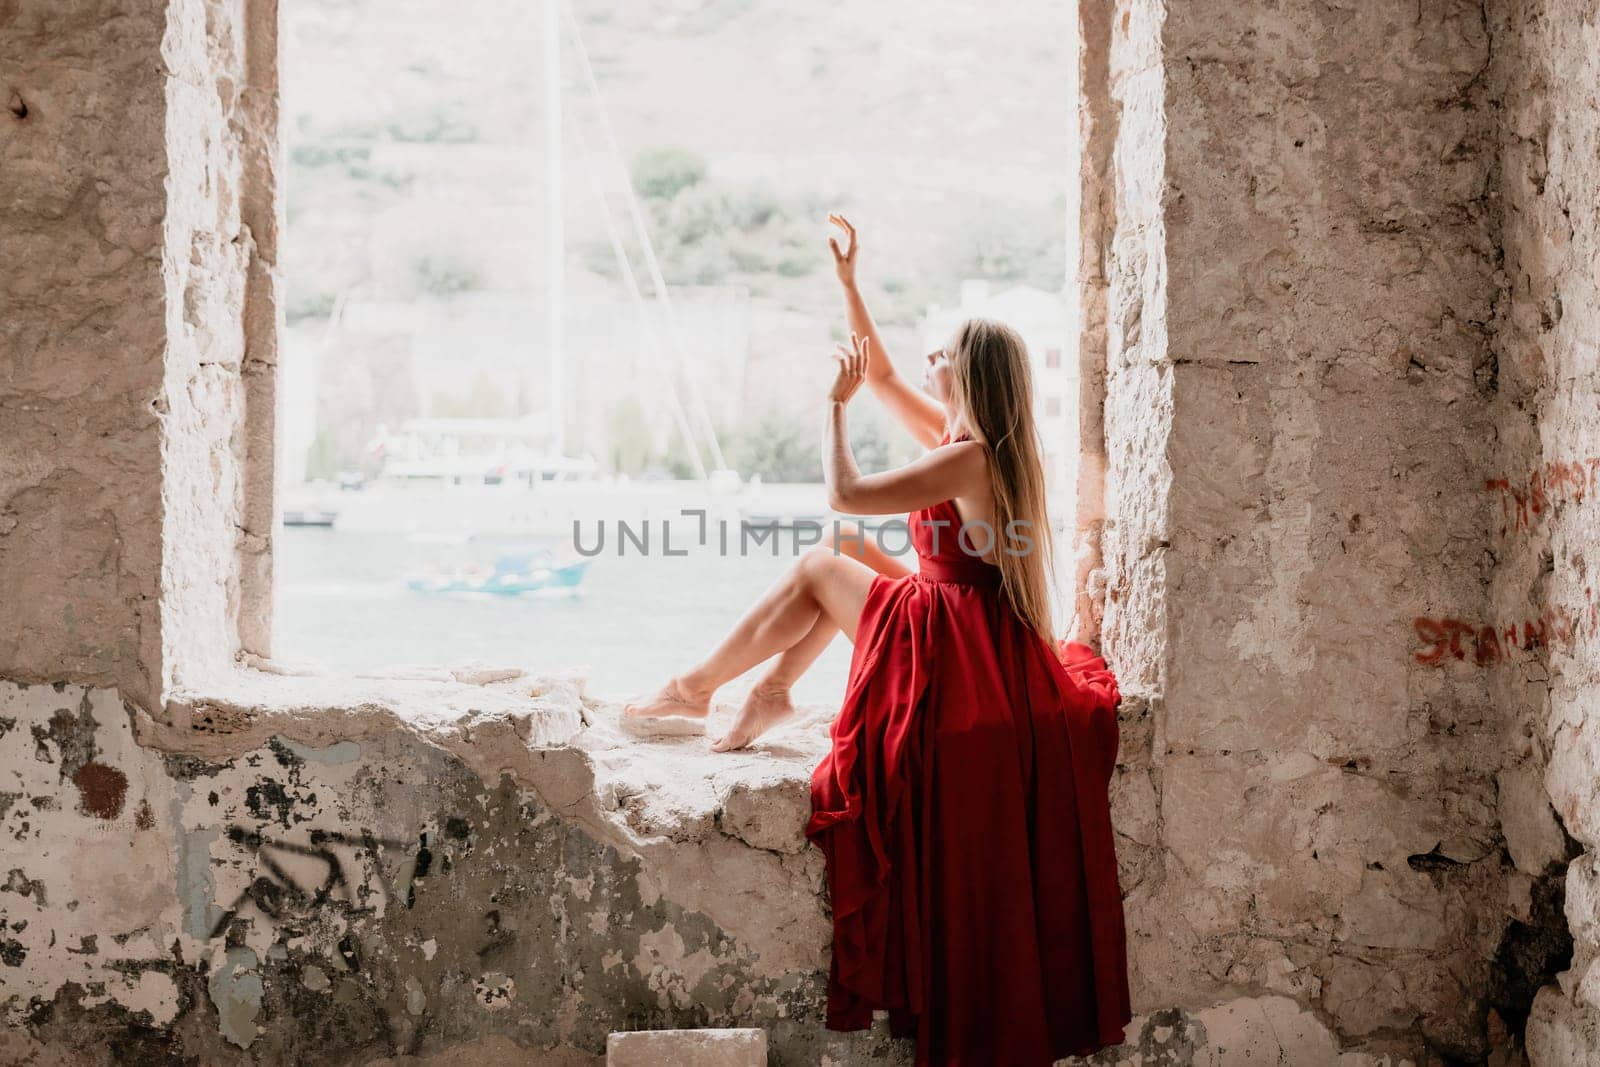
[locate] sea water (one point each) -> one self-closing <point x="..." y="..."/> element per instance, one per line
<point x="343" y="604"/>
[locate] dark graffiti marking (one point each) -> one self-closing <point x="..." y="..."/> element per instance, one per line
<point x="1492" y="644"/>
<point x="279" y="895"/>
<point x="1547" y="486"/>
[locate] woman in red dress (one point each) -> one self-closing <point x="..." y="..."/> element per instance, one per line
<point x="962" y="809"/>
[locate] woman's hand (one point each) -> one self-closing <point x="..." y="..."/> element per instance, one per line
<point x="844" y="263"/>
<point x="852" y="370"/>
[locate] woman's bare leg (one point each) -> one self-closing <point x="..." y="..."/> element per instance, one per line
<point x="821" y="585"/>
<point x="769" y="701"/>
<point x="848" y="540"/>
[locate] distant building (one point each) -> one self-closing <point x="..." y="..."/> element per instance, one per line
<point x="1044" y="321"/>
<point x="481" y="353"/>
<point x="475" y="451"/>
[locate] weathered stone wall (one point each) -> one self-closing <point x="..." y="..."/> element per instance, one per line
<point x="1538" y="639"/>
<point x="138" y="337"/>
<point x="393" y="870"/>
<point x="83" y="341"/>
<point x="1340" y="263"/>
<point x="1301" y="274"/>
<point x="317" y="872"/>
<point x="222" y="224"/>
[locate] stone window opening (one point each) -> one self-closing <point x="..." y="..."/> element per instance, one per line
<point x="301" y="627"/>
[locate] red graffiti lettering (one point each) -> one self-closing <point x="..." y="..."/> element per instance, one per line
<point x="1486" y="650"/>
<point x="1492" y="644"/>
<point x="1432" y="634"/>
<point x="1546" y="487"/>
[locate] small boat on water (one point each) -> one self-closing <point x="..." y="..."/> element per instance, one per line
<point x="514" y="573"/>
<point x="323" y="517"/>
<point x="787" y="521"/>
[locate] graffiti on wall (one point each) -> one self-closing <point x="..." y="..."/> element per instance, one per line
<point x="1522" y="503"/>
<point x="296" y="881"/>
<point x="1491" y="644"/>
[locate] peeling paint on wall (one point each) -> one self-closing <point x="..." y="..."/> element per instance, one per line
<point x="329" y="897"/>
<point x="236" y="992"/>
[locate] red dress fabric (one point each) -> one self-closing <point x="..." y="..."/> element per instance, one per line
<point x="963" y="814"/>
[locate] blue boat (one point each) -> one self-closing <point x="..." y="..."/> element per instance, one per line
<point x="515" y="572"/>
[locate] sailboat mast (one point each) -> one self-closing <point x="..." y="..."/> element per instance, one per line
<point x="652" y="264"/>
<point x="555" y="243"/>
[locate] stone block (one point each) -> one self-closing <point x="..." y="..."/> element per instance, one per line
<point x="687" y="1048"/>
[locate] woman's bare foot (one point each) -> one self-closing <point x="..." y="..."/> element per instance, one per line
<point x="674" y="699"/>
<point x="764" y="708"/>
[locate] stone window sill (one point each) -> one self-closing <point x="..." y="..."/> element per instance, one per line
<point x="722" y="833"/>
<point x="543" y="731"/>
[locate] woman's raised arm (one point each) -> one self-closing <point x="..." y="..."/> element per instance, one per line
<point x="918" y="412"/>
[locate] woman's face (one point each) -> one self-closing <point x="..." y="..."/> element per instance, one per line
<point x="936" y="377"/>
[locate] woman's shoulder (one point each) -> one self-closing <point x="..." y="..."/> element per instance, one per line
<point x="963" y="459"/>
<point x="961" y="446"/>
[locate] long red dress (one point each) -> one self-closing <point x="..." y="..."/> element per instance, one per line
<point x="963" y="814"/>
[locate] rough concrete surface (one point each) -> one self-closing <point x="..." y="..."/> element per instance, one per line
<point x="1302" y="274"/>
<point x="1545" y="488"/>
<point x="687" y="1048"/>
<point x="83" y="341"/>
<point x="140" y="217"/>
<point x="271" y="893"/>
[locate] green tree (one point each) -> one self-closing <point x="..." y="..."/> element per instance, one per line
<point x="442" y="273"/>
<point x="780" y="447"/>
<point x="305" y="303"/>
<point x="631" y="449"/>
<point x="663" y="173"/>
<point x="869" y="445"/>
<point x="786" y="446"/>
<point x="1000" y="241"/>
<point x="486" y="398"/>
<point x="322" y="461"/>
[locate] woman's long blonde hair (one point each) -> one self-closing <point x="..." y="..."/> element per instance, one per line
<point x="992" y="390"/>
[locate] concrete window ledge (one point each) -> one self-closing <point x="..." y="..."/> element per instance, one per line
<point x="454" y="856"/>
<point x="670" y="801"/>
<point x="505" y="721"/>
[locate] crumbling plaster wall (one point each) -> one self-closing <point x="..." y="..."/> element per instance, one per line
<point x="1298" y="278"/>
<point x="310" y="871"/>
<point x="1545" y="482"/>
<point x="315" y="872"/>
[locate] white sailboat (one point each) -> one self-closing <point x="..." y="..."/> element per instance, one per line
<point x="495" y="476"/>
